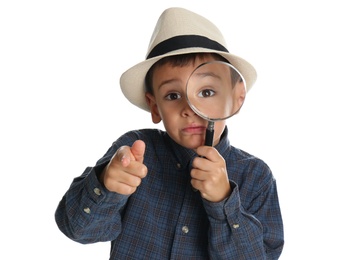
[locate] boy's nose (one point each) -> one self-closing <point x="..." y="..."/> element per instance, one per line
<point x="186" y="110"/>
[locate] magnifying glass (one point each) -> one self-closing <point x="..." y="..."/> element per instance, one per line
<point x="215" y="91"/>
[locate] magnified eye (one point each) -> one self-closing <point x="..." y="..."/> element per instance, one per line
<point x="206" y="93"/>
<point x="173" y="96"/>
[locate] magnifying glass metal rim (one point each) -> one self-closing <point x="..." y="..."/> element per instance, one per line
<point x="197" y="110"/>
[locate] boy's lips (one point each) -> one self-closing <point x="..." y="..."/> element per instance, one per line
<point x="194" y="129"/>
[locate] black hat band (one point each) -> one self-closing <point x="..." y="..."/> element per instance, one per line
<point x="185" y="41"/>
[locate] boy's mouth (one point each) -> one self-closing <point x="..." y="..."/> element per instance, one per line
<point x="194" y="129"/>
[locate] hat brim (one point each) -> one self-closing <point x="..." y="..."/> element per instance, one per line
<point x="132" y="81"/>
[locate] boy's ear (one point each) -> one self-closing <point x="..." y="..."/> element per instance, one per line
<point x="240" y="95"/>
<point x="156" y="118"/>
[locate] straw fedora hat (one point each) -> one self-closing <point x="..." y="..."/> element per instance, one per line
<point x="180" y="31"/>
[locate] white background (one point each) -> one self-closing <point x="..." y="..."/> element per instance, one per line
<point x="61" y="108"/>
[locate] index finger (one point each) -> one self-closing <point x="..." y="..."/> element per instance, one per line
<point x="209" y="152"/>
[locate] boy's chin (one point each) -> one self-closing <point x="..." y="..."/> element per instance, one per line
<point x="190" y="142"/>
<point x="193" y="144"/>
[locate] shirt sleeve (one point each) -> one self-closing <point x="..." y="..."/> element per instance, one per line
<point x="88" y="213"/>
<point x="236" y="233"/>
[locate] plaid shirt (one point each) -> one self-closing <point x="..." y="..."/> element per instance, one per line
<point x="165" y="218"/>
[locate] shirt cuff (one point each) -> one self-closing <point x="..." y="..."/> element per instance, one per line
<point x="226" y="208"/>
<point x="97" y="192"/>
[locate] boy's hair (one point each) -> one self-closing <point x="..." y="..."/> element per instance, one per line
<point x="183" y="60"/>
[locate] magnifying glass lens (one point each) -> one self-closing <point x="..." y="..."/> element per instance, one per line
<point x="215" y="91"/>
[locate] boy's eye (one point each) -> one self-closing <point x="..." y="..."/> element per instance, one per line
<point x="206" y="93"/>
<point x="173" y="96"/>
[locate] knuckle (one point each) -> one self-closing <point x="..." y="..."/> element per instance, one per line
<point x="127" y="190"/>
<point x="209" y="152"/>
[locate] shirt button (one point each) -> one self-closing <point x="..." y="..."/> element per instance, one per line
<point x="97" y="191"/>
<point x="235" y="226"/>
<point x="178" y="165"/>
<point x="185" y="229"/>
<point x="86" y="210"/>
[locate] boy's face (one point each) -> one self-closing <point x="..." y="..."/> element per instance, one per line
<point x="169" y="104"/>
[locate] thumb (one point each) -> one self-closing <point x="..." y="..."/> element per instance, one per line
<point x="138" y="150"/>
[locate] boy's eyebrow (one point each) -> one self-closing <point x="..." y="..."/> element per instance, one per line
<point x="168" y="81"/>
<point x="206" y="74"/>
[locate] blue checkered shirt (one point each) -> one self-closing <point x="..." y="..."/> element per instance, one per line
<point x="165" y="218"/>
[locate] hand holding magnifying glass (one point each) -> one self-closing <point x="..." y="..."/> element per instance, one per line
<point x="215" y="91"/>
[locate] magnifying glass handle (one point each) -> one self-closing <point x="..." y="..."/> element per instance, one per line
<point x="209" y="133"/>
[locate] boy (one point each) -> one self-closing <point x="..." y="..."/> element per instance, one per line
<point x="163" y="194"/>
